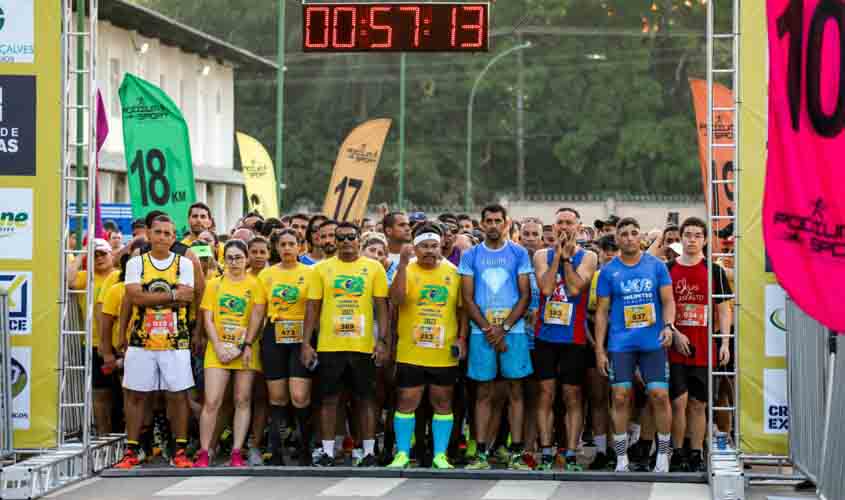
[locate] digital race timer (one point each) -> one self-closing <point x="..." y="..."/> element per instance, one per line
<point x="386" y="27"/>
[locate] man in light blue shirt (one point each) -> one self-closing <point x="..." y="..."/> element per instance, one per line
<point x="496" y="292"/>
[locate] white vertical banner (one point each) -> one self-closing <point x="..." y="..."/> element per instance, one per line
<point x="775" y="404"/>
<point x="775" y="321"/>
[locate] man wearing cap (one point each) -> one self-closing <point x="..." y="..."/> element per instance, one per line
<point x="104" y="276"/>
<point x="606" y="227"/>
<point x="430" y="341"/>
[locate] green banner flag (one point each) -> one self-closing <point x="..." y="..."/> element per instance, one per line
<point x="158" y="152"/>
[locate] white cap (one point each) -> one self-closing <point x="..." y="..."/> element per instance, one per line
<point x="101" y="245"/>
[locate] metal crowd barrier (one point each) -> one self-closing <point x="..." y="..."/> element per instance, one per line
<point x="807" y="368"/>
<point x="831" y="484"/>
<point x="6" y="382"/>
<point x="74" y="380"/>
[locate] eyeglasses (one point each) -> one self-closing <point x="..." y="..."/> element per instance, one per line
<point x="234" y="258"/>
<point x="346" y="237"/>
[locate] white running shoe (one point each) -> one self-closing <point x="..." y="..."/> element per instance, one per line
<point x="622" y="463"/>
<point x="662" y="465"/>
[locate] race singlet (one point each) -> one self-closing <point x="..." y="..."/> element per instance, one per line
<point x="159" y="325"/>
<point x="639" y="316"/>
<point x="288" y="332"/>
<point x="692" y="315"/>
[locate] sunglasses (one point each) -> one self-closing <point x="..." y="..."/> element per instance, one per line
<point x="346" y="237"/>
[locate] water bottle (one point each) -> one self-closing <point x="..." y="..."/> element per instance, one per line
<point x="721" y="440"/>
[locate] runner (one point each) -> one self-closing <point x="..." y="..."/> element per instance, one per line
<point x="532" y="239"/>
<point x="449" y="250"/>
<point x="285" y="290"/>
<point x="104" y="277"/>
<point x="688" y="362"/>
<point x="199" y="220"/>
<point x="343" y="293"/>
<point x="159" y="286"/>
<point x="430" y="344"/>
<point x="312" y="239"/>
<point x="564" y="274"/>
<point x="599" y="387"/>
<point x="497" y="291"/>
<point x="397" y="228"/>
<point x="232" y="312"/>
<point x="549" y="238"/>
<point x="299" y="223"/>
<point x="259" y="256"/>
<point x="327" y="239"/>
<point x="465" y="223"/>
<point x="636" y="313"/>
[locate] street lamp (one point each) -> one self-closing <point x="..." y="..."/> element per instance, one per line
<point x="468" y="195"/>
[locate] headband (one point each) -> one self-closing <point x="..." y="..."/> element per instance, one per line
<point x="426" y="237"/>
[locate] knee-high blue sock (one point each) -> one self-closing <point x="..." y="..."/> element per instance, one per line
<point x="403" y="426"/>
<point x="441" y="427"/>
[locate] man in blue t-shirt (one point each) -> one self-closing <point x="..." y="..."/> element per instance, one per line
<point x="496" y="292"/>
<point x="635" y="290"/>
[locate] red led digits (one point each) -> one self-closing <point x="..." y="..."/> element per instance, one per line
<point x="478" y="27"/>
<point x="380" y="27"/>
<point x="310" y="12"/>
<point x="415" y="11"/>
<point x="336" y="43"/>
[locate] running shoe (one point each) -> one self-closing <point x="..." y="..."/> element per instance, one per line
<point x="369" y="460"/>
<point x="130" y="460"/>
<point x="471" y="449"/>
<point x="696" y="462"/>
<point x="235" y="459"/>
<point x="572" y="465"/>
<point x="255" y="458"/>
<point x="600" y="462"/>
<point x="529" y="459"/>
<point x="678" y="462"/>
<point x="661" y="466"/>
<point x="479" y="462"/>
<point x="400" y="461"/>
<point x="622" y="464"/>
<point x="276" y="458"/>
<point x="323" y="460"/>
<point x="503" y="455"/>
<point x="441" y="461"/>
<point x="546" y="463"/>
<point x="202" y="460"/>
<point x="517" y="462"/>
<point x="180" y="460"/>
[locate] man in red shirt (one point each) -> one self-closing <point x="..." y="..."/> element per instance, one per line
<point x="688" y="362"/>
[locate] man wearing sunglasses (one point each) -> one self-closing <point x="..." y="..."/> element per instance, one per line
<point x="449" y="224"/>
<point x="343" y="294"/>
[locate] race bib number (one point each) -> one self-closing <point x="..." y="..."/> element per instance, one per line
<point x="640" y="316"/>
<point x="159" y="325"/>
<point x="692" y="315"/>
<point x="430" y="336"/>
<point x="349" y="326"/>
<point x="497" y="317"/>
<point x="233" y="333"/>
<point x="288" y="332"/>
<point x="558" y="313"/>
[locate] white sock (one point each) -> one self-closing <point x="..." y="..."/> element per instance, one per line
<point x="601" y="443"/>
<point x="369" y="446"/>
<point x="328" y="447"/>
<point x="664" y="443"/>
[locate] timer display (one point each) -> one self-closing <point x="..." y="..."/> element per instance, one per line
<point x="395" y="27"/>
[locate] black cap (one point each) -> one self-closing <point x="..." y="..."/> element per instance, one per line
<point x="139" y="224"/>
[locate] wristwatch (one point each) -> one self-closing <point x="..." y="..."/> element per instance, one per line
<point x="671" y="326"/>
<point x="506" y="327"/>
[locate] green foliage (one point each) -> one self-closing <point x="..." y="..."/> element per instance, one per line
<point x="607" y="100"/>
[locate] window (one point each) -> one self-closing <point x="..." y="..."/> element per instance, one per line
<point x="114" y="85"/>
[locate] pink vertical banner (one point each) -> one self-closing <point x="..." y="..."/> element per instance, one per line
<point x="804" y="204"/>
<point x="102" y="133"/>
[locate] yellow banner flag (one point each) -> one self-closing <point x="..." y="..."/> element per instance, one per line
<point x="355" y="170"/>
<point x="259" y="178"/>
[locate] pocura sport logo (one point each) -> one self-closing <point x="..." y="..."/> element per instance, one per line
<point x="142" y="111"/>
<point x="814" y="232"/>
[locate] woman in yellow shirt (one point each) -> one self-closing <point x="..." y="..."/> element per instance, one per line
<point x="232" y="311"/>
<point x="259" y="254"/>
<point x="285" y="286"/>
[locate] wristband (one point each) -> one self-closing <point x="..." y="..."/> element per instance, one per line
<point x="173" y="294"/>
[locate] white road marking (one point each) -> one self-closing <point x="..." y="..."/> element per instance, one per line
<point x="671" y="491"/>
<point x="73" y="487"/>
<point x="362" y="487"/>
<point x="522" y="490"/>
<point x="201" y="486"/>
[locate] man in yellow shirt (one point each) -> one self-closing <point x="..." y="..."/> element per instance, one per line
<point x="343" y="293"/>
<point x="199" y="220"/>
<point x="428" y="294"/>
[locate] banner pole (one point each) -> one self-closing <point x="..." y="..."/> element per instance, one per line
<point x="280" y="105"/>
<point x="402" y="68"/>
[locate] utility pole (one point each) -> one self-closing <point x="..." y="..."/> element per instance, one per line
<point x="520" y="124"/>
<point x="280" y="106"/>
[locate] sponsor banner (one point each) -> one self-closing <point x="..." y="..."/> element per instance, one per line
<point x="259" y="177"/>
<point x="355" y="170"/>
<point x="757" y="431"/>
<point x="19" y="287"/>
<point x="16" y="223"/>
<point x="21" y="387"/>
<point x="17" y="124"/>
<point x="803" y="208"/>
<point x="775" y="321"/>
<point x="775" y="405"/>
<point x="17" y="31"/>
